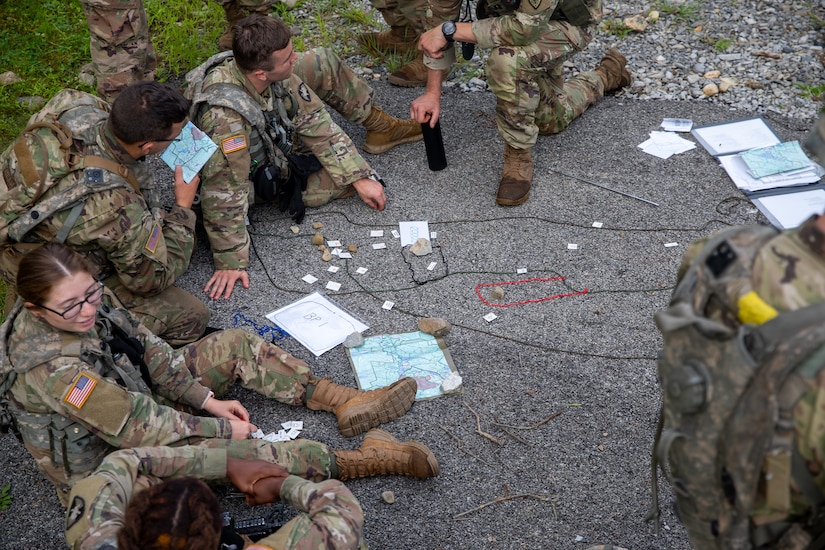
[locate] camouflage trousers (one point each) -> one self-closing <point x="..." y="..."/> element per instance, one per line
<point x="532" y="96"/>
<point x="121" y="48"/>
<point x="418" y="15"/>
<point x="173" y="314"/>
<point x="236" y="356"/>
<point x="343" y="90"/>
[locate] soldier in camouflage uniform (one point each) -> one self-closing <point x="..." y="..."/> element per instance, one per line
<point x="86" y="380"/>
<point x="265" y="80"/>
<point x="102" y="505"/>
<point x="138" y="252"/>
<point x="121" y="48"/>
<point x="525" y="72"/>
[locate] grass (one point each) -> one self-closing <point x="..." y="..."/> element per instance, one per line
<point x="5" y="497"/>
<point x="679" y="10"/>
<point x="616" y="27"/>
<point x="722" y="44"/>
<point x="815" y="92"/>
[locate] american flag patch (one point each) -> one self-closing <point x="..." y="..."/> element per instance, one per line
<point x="154" y="237"/>
<point x="81" y="390"/>
<point x="234" y="143"/>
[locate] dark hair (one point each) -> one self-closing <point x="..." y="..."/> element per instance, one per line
<point x="174" y="515"/>
<point x="255" y="39"/>
<point x="146" y="111"/>
<point x="42" y="268"/>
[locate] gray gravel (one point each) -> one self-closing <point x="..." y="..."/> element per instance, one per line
<point x="592" y="357"/>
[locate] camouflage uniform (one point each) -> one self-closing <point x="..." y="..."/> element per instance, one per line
<point x="225" y="184"/>
<point x="525" y="70"/>
<point x="139" y="252"/>
<point x="332" y="517"/>
<point x="121" y="48"/>
<point x="417" y="15"/>
<point x="75" y="401"/>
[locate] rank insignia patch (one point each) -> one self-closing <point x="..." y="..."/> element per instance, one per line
<point x="234" y="143"/>
<point x="81" y="390"/>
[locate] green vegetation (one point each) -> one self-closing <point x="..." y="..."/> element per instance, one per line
<point x="616" y="27"/>
<point x="680" y="10"/>
<point x="815" y="92"/>
<point x="722" y="44"/>
<point x="5" y="497"/>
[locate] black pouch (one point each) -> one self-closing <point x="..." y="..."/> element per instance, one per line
<point x="290" y="195"/>
<point x="265" y="181"/>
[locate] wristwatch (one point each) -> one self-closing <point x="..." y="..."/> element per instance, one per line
<point x="448" y="29"/>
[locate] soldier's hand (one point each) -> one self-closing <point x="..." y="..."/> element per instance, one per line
<point x="185" y="192"/>
<point x="371" y="192"/>
<point x="426" y="108"/>
<point x="242" y="430"/>
<point x="259" y="480"/>
<point x="433" y="42"/>
<point x="230" y="410"/>
<point x="223" y="282"/>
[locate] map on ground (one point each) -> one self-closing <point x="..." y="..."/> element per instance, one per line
<point x="191" y="151"/>
<point x="383" y="359"/>
<point x="775" y="159"/>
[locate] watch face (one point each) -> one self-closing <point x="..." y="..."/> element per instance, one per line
<point x="448" y="28"/>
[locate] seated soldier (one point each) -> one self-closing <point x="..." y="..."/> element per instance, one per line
<point x="263" y="104"/>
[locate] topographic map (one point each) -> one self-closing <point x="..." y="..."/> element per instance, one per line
<point x="191" y="150"/>
<point x="383" y="359"/>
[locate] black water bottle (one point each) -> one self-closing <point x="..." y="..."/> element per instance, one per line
<point x="434" y="144"/>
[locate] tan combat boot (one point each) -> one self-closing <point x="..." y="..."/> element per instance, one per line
<point x="411" y="75"/>
<point x="385" y="132"/>
<point x="234" y="13"/>
<point x="357" y="410"/>
<point x="612" y="71"/>
<point x="397" y="40"/>
<point x="516" y="177"/>
<point x="382" y="454"/>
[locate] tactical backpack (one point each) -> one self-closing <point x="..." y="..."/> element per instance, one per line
<point x="52" y="146"/>
<point x="731" y="372"/>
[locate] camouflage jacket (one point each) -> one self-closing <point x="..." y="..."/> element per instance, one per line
<point x="116" y="229"/>
<point x="225" y="184"/>
<point x="332" y="517"/>
<point x="532" y="22"/>
<point x="69" y="403"/>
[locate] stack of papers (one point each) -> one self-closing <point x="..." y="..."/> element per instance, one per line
<point x="743" y="176"/>
<point x="666" y="144"/>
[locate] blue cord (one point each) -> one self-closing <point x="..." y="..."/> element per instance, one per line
<point x="274" y="332"/>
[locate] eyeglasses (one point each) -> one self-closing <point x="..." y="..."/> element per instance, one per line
<point x="160" y="141"/>
<point x="93" y="298"/>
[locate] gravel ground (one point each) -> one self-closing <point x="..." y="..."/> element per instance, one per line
<point x="583" y="475"/>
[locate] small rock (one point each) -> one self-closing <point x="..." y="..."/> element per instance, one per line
<point x="87" y="78"/>
<point x="712" y="74"/>
<point x="653" y="16"/>
<point x="710" y="90"/>
<point x="317" y="225"/>
<point x="754" y="84"/>
<point x="388" y="497"/>
<point x="354" y="340"/>
<point x="322" y="247"/>
<point x="421" y="247"/>
<point x="326" y="256"/>
<point x="9" y="77"/>
<point x="295" y="229"/>
<point x="496" y="293"/>
<point x="352" y="248"/>
<point x="290" y="3"/>
<point x="434" y="325"/>
<point x="318" y="238"/>
<point x="726" y="84"/>
<point x="451" y="383"/>
<point x="636" y="23"/>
